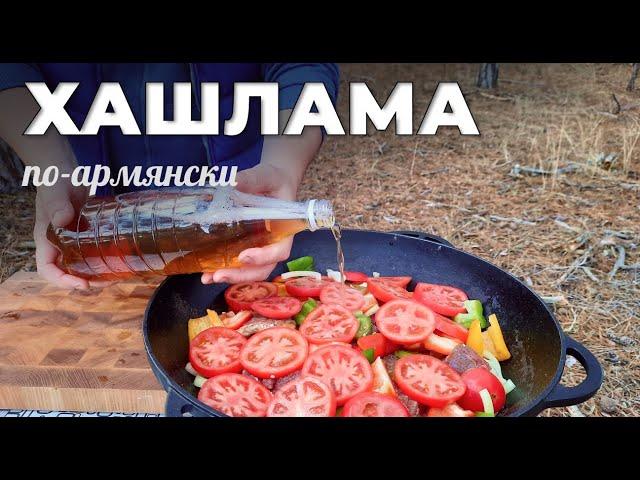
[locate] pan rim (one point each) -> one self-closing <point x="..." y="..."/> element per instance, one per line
<point x="532" y="407"/>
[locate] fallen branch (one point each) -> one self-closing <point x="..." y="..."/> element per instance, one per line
<point x="634" y="75"/>
<point x="619" y="262"/>
<point x="495" y="97"/>
<point x="518" y="170"/>
<point x="577" y="263"/>
<point x="566" y="226"/>
<point x="519" y="221"/>
<point x="590" y="274"/>
<point x="554" y="299"/>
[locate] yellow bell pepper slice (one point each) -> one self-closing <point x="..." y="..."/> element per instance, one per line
<point x="197" y="325"/>
<point x="488" y="343"/>
<point x="475" y="340"/>
<point x="215" y="318"/>
<point x="495" y="333"/>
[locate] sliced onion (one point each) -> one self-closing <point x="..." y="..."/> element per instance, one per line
<point x="509" y="386"/>
<point x="496" y="369"/>
<point x="375" y="274"/>
<point x="199" y="381"/>
<point x="189" y="368"/>
<point x="372" y="310"/>
<point x="305" y="273"/>
<point x="487" y="403"/>
<point x="334" y="275"/>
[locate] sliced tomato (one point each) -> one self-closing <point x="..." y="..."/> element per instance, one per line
<point x="476" y="380"/>
<point x="306" y="287"/>
<point x="373" y="404"/>
<point x="277" y="307"/>
<point x="381" y="380"/>
<point x="216" y="350"/>
<point x="355" y="277"/>
<point x="330" y="323"/>
<point x="236" y="395"/>
<point x="451" y="410"/>
<point x="405" y="321"/>
<point x="401" y="282"/>
<point x="442" y="299"/>
<point x="344" y="369"/>
<point x="241" y="295"/>
<point x="386" y="292"/>
<point x="303" y="397"/>
<point x="274" y="352"/>
<point x="451" y="328"/>
<point x="315" y="346"/>
<point x="428" y="380"/>
<point x="236" y="320"/>
<point x="339" y="294"/>
<point x="380" y="345"/>
<point x="442" y="345"/>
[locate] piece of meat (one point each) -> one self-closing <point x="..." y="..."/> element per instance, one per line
<point x="268" y="383"/>
<point x="463" y="358"/>
<point x="258" y="323"/>
<point x="389" y="362"/>
<point x="282" y="381"/>
<point x="411" y="405"/>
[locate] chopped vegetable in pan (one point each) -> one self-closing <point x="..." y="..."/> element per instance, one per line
<point x="310" y="345"/>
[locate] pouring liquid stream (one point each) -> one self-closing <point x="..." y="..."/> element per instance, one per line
<point x="337" y="235"/>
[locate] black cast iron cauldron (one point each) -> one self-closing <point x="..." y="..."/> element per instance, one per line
<point x="537" y="343"/>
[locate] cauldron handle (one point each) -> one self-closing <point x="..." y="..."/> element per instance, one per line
<point x="562" y="396"/>
<point x="424" y="236"/>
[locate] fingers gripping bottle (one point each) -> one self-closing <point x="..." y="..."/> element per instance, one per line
<point x="172" y="231"/>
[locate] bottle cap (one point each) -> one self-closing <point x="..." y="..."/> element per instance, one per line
<point x="320" y="214"/>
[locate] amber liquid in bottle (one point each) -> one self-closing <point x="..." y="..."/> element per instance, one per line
<point x="174" y="232"/>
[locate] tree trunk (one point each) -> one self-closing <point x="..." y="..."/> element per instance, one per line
<point x="634" y="75"/>
<point x="11" y="169"/>
<point x="488" y="75"/>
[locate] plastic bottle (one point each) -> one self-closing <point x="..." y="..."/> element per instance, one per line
<point x="171" y="231"/>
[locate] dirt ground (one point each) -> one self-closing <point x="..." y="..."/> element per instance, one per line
<point x="563" y="231"/>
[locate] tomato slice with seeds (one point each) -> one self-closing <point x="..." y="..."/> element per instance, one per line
<point x="236" y="395"/>
<point x="372" y="404"/>
<point x="274" y="352"/>
<point x="449" y="327"/>
<point x="442" y="299"/>
<point x="306" y="287"/>
<point x="405" y="321"/>
<point x="428" y="380"/>
<point x="355" y="277"/>
<point x="216" y="350"/>
<point x="241" y="295"/>
<point x="401" y="282"/>
<point x="343" y="369"/>
<point x="385" y="292"/>
<point x="339" y="294"/>
<point x="452" y="410"/>
<point x="303" y="397"/>
<point x="277" y="307"/>
<point x="330" y="323"/>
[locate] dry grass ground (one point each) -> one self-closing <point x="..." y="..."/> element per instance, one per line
<point x="562" y="233"/>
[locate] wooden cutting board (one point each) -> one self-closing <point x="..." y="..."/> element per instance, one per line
<point x="75" y="350"/>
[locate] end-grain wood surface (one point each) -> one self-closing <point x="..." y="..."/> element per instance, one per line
<point x="75" y="350"/>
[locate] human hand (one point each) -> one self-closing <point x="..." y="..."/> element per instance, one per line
<point x="258" y="263"/>
<point x="57" y="205"/>
<point x="284" y="161"/>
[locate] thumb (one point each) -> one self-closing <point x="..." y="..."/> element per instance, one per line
<point x="259" y="179"/>
<point x="59" y="208"/>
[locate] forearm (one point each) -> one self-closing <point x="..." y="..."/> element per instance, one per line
<point x="17" y="110"/>
<point x="291" y="153"/>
